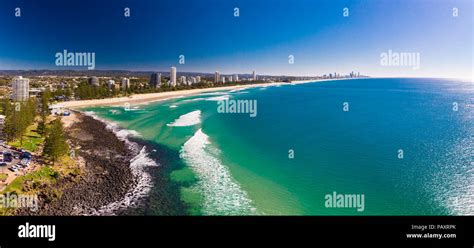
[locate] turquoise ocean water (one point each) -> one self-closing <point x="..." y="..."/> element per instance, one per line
<point x="233" y="164"/>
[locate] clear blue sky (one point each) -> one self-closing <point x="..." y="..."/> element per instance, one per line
<point x="262" y="38"/>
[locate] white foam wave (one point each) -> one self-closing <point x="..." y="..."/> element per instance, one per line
<point x="193" y="100"/>
<point x="211" y="93"/>
<point x="222" y="195"/>
<point x="237" y="90"/>
<point x="173" y="106"/>
<point x="218" y="98"/>
<point x="189" y="119"/>
<point x="142" y="188"/>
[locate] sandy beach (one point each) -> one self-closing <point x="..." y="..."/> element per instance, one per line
<point x="151" y="97"/>
<point x="161" y="96"/>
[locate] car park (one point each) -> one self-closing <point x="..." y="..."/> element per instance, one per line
<point x="8" y="157"/>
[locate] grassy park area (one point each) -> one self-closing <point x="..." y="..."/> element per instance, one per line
<point x="31" y="139"/>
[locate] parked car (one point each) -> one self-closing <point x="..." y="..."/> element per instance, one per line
<point x="3" y="164"/>
<point x="26" y="155"/>
<point x="25" y="162"/>
<point x="7" y="157"/>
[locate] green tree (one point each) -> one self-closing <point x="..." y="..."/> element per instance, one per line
<point x="9" y="128"/>
<point x="42" y="124"/>
<point x="55" y="144"/>
<point x="45" y="97"/>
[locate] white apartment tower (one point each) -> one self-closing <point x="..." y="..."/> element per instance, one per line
<point x="183" y="80"/>
<point x="125" y="83"/>
<point x="173" y="76"/>
<point x="217" y="77"/>
<point x="21" y="88"/>
<point x="111" y="84"/>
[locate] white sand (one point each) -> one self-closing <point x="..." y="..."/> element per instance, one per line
<point x="151" y="97"/>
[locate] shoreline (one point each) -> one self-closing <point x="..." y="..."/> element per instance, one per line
<point x="106" y="177"/>
<point x="119" y="186"/>
<point x="137" y="166"/>
<point x="168" y="95"/>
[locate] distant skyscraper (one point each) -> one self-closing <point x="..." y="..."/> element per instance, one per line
<point x="198" y="79"/>
<point x="110" y="84"/>
<point x="182" y="80"/>
<point x="155" y="80"/>
<point x="236" y="78"/>
<point x="94" y="81"/>
<point x="231" y="79"/>
<point x="223" y="79"/>
<point x="217" y="77"/>
<point x="173" y="76"/>
<point x="125" y="83"/>
<point x="192" y="80"/>
<point x="254" y="77"/>
<point x="21" y="88"/>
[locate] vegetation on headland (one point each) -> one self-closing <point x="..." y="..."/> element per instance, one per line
<point x="31" y="140"/>
<point x="18" y="117"/>
<point x="23" y="129"/>
<point x="55" y="145"/>
<point x="43" y="182"/>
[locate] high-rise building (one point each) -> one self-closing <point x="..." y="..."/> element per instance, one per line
<point x="173" y="76"/>
<point x="198" y="79"/>
<point x="223" y="79"/>
<point x="231" y="79"/>
<point x="236" y="78"/>
<point x="21" y="89"/>
<point x="110" y="84"/>
<point x="155" y="80"/>
<point x="182" y="80"/>
<point x="125" y="83"/>
<point x="192" y="80"/>
<point x="94" y="81"/>
<point x="254" y="77"/>
<point x="217" y="77"/>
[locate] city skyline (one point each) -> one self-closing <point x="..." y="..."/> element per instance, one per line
<point x="311" y="39"/>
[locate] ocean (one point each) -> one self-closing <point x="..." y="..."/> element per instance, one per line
<point x="405" y="145"/>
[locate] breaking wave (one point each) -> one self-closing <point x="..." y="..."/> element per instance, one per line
<point x="218" y="98"/>
<point x="189" y="119"/>
<point x="222" y="195"/>
<point x="138" y="163"/>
